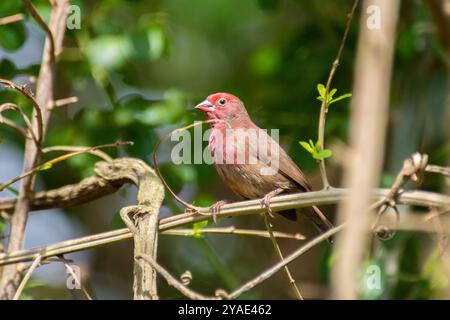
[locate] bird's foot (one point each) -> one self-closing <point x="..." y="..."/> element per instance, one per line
<point x="215" y="209"/>
<point x="266" y="200"/>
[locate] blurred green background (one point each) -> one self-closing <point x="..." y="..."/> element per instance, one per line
<point x="139" y="67"/>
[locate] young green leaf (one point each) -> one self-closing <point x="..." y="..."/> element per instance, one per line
<point x="344" y="96"/>
<point x="321" y="90"/>
<point x="331" y="94"/>
<point x="306" y="145"/>
<point x="44" y="166"/>
<point x="198" y="226"/>
<point x="326" y="153"/>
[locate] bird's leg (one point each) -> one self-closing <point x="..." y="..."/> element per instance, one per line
<point x="266" y="199"/>
<point x="215" y="209"/>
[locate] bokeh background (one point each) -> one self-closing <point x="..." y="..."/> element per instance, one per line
<point x="138" y="68"/>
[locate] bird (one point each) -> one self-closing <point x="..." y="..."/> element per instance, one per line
<point x="249" y="161"/>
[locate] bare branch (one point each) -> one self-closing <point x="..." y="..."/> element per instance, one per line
<point x="172" y="281"/>
<point x="27" y="276"/>
<point x="41" y="116"/>
<point x="278" y="203"/>
<point x="11" y="19"/>
<point x="62" y="158"/>
<point x="324" y="105"/>
<point x="43" y="25"/>
<point x="280" y="255"/>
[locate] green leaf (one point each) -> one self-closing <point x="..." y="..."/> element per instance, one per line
<point x="321" y="90"/>
<point x="344" y="96"/>
<point x="306" y="145"/>
<point x="317" y="146"/>
<point x="44" y="166"/>
<point x="198" y="226"/>
<point x="326" y="153"/>
<point x="331" y="94"/>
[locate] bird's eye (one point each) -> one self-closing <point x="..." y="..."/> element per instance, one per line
<point x="222" y="101"/>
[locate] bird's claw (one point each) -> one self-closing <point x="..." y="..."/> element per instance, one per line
<point x="266" y="200"/>
<point x="215" y="209"/>
<point x="266" y="204"/>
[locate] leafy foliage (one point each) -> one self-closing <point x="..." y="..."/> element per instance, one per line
<point x="315" y="150"/>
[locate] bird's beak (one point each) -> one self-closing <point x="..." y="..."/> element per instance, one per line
<point x="205" y="106"/>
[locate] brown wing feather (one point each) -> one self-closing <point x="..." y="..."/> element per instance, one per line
<point x="286" y="165"/>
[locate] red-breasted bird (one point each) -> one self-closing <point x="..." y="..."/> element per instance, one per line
<point x="252" y="168"/>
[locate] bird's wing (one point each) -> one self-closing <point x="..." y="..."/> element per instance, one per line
<point x="286" y="165"/>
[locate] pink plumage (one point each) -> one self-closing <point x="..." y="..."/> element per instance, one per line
<point x="248" y="160"/>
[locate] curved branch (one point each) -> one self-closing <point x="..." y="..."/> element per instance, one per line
<point x="29" y="95"/>
<point x="43" y="25"/>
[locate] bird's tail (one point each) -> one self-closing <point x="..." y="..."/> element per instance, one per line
<point x="318" y="218"/>
<point x="314" y="214"/>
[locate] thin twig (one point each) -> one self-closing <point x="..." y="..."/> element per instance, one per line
<point x="27" y="277"/>
<point x="99" y="153"/>
<point x="12" y="106"/>
<point x="274" y="269"/>
<point x="41" y="116"/>
<point x="26" y="92"/>
<point x="438" y="169"/>
<point x="435" y="213"/>
<point x="172" y="281"/>
<point x="11" y="19"/>
<point x="43" y="25"/>
<point x="324" y="105"/>
<point x="62" y="158"/>
<point x="9" y="123"/>
<point x="280" y="255"/>
<point x="233" y="230"/>
<point x="64" y="102"/>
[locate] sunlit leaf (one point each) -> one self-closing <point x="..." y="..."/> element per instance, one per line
<point x="321" y="90"/>
<point x="344" y="96"/>
<point x="326" y="153"/>
<point x="306" y="145"/>
<point x="44" y="166"/>
<point x="197" y="227"/>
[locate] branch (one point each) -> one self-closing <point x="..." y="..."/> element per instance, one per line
<point x="142" y="221"/>
<point x="172" y="281"/>
<point x="324" y="105"/>
<point x="41" y="116"/>
<point x="53" y="161"/>
<point x="27" y="276"/>
<point x="280" y="255"/>
<point x="278" y="203"/>
<point x="44" y="26"/>
<point x="12" y="106"/>
<point x="11" y="19"/>
<point x="23" y="90"/>
<point x="270" y="272"/>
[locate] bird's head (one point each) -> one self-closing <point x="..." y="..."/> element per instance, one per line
<point x="222" y="106"/>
